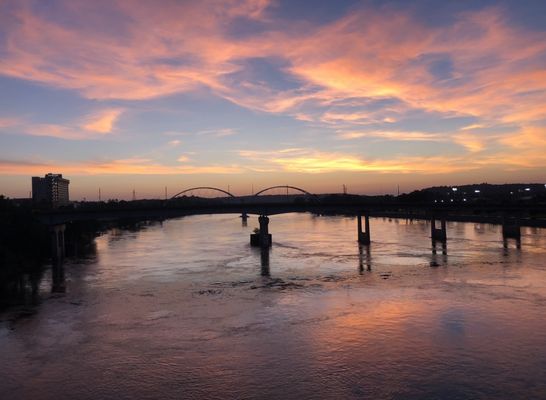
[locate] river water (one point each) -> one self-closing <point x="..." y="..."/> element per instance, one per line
<point x="184" y="309"/>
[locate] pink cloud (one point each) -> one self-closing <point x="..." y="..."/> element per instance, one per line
<point x="131" y="166"/>
<point x="182" y="46"/>
<point x="494" y="71"/>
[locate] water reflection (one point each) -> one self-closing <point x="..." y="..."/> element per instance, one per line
<point x="58" y="283"/>
<point x="435" y="245"/>
<point x="435" y="260"/>
<point x="364" y="258"/>
<point x="175" y="311"/>
<point x="264" y="260"/>
<point x="506" y="241"/>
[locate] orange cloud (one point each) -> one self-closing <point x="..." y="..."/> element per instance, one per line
<point x="132" y="166"/>
<point x="371" y="54"/>
<point x="103" y="122"/>
<point x="393" y="135"/>
<point x="9" y="122"/>
<point x="162" y="50"/>
<point x="492" y="71"/>
<point x="473" y="143"/>
<point x="313" y="161"/>
<point x="94" y="125"/>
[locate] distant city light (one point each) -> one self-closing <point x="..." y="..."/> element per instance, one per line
<point x="464" y="199"/>
<point x="455" y="189"/>
<point x="442" y="201"/>
<point x="527" y="189"/>
<point x="477" y="191"/>
<point x="451" y="200"/>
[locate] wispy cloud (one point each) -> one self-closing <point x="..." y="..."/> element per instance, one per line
<point x="92" y="126"/>
<point x="473" y="143"/>
<point x="9" y="122"/>
<point x="218" y="132"/>
<point x="103" y="121"/>
<point x="358" y="76"/>
<point x="130" y="166"/>
<point x="314" y="161"/>
<point x="393" y="135"/>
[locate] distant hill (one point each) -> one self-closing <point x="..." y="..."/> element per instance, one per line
<point x="482" y="192"/>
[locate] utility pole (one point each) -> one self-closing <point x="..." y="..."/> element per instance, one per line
<point x="165" y="192"/>
<point x="398" y="190"/>
<point x="99" y="195"/>
<point x="344" y="189"/>
<point x="134" y="195"/>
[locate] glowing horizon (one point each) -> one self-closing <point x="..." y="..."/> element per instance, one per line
<point x="127" y="95"/>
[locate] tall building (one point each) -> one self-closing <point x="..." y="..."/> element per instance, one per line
<point x="52" y="190"/>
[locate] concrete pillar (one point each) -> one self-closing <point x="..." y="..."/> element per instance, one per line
<point x="58" y="253"/>
<point x="264" y="231"/>
<point x="511" y="230"/>
<point x="363" y="237"/>
<point x="262" y="238"/>
<point x="438" y="234"/>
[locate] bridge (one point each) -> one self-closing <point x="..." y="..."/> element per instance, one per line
<point x="203" y="188"/>
<point x="287" y="187"/>
<point x="362" y="208"/>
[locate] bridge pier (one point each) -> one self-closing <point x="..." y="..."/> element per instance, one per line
<point x="511" y="230"/>
<point x="244" y="219"/>
<point x="363" y="237"/>
<point x="58" y="253"/>
<point x="438" y="234"/>
<point x="262" y="238"/>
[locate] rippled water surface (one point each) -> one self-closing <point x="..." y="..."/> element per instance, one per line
<point x="185" y="309"/>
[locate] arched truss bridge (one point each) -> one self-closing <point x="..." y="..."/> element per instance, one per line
<point x="283" y="187"/>
<point x="202" y="188"/>
<point x="232" y="195"/>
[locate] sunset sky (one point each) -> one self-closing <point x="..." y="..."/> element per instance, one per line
<point x="141" y="95"/>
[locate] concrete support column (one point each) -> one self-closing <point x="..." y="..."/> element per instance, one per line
<point x="363" y="237"/>
<point x="265" y="240"/>
<point x="511" y="230"/>
<point x="438" y="234"/>
<point x="261" y="237"/>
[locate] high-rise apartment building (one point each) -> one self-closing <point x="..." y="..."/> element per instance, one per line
<point x="51" y="189"/>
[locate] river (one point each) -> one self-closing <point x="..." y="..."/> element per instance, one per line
<point x="185" y="309"/>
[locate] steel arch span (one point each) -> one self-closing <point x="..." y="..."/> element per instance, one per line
<point x="283" y="187"/>
<point x="202" y="187"/>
